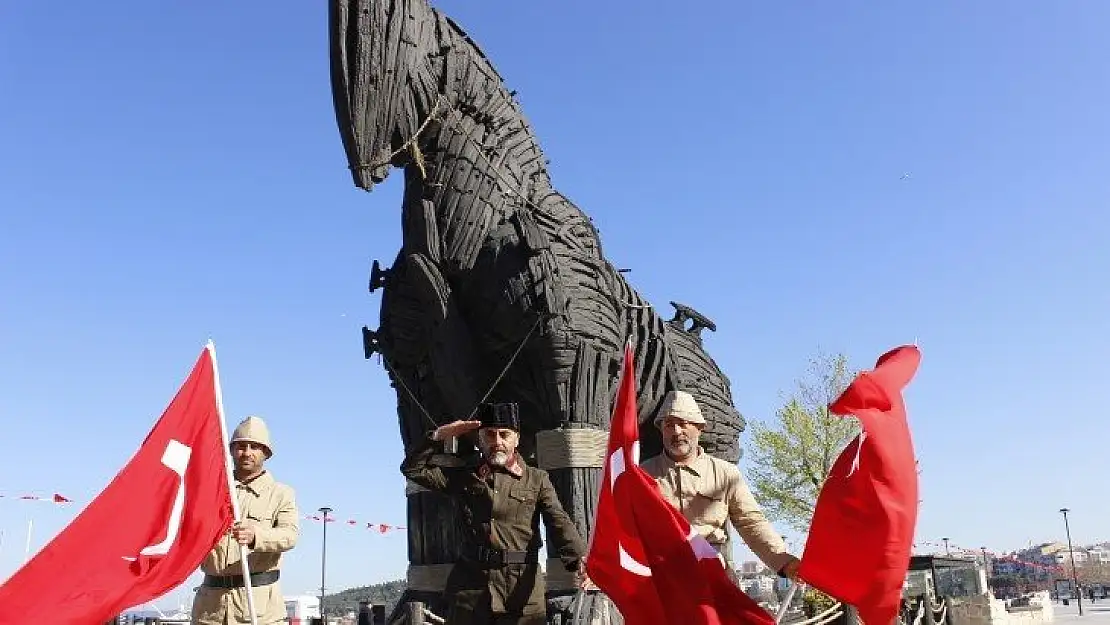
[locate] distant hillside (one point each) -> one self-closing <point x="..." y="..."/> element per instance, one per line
<point x="387" y="593"/>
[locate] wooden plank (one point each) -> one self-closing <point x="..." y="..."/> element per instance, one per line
<point x="420" y="230"/>
<point x="416" y="613"/>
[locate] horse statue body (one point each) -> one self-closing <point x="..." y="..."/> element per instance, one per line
<point x="500" y="291"/>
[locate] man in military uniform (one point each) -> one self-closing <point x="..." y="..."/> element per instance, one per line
<point x="268" y="527"/>
<point x="497" y="581"/>
<point x="709" y="491"/>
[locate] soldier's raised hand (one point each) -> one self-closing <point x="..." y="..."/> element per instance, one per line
<point x="455" y="429"/>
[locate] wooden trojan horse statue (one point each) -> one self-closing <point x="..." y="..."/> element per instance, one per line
<point x="500" y="291"/>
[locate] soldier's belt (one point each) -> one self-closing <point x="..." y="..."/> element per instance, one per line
<point x="236" y="581"/>
<point x="494" y="557"/>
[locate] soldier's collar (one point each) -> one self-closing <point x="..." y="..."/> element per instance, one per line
<point x="697" y="467"/>
<point x="514" y="467"/>
<point x="256" y="483"/>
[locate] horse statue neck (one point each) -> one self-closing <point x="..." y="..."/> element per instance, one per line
<point x="470" y="120"/>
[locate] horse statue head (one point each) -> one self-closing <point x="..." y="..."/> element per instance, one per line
<point x="400" y="72"/>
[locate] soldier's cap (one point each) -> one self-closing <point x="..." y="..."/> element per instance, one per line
<point x="254" y="430"/>
<point x="679" y="404"/>
<point x="500" y="415"/>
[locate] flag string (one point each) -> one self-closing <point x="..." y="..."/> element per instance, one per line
<point x="385" y="528"/>
<point x="381" y="528"/>
<point x="56" y="498"/>
<point x="1001" y="557"/>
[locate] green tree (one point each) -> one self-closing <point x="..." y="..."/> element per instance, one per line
<point x="791" y="456"/>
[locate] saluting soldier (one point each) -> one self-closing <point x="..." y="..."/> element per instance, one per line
<point x="498" y="579"/>
<point x="268" y="527"/>
<point x="709" y="491"/>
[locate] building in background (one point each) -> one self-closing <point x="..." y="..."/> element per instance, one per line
<point x="750" y="568"/>
<point x="300" y="609"/>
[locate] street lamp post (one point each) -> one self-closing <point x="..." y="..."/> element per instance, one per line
<point x="1071" y="553"/>
<point x="986" y="570"/>
<point x="946" y="552"/>
<point x="323" y="559"/>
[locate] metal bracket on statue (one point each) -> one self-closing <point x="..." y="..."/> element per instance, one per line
<point x="370" y="342"/>
<point x="683" y="313"/>
<point x="378" y="277"/>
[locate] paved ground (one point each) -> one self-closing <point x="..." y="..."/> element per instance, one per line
<point x="1097" y="612"/>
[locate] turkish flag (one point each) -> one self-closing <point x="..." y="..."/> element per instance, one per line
<point x="861" y="536"/>
<point x="146" y="532"/>
<point x="643" y="553"/>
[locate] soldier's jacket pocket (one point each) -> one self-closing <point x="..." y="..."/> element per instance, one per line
<point x="265" y="520"/>
<point x="711" y="496"/>
<point x="709" y="506"/>
<point x="524" y="495"/>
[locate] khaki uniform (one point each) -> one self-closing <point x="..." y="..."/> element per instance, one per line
<point x="270" y="507"/>
<point x="710" y="492"/>
<point x="501" y="511"/>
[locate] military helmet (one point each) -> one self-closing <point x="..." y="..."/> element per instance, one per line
<point x="682" y="405"/>
<point x="254" y="430"/>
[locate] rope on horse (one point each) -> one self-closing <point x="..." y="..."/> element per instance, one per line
<point x="832" y="613"/>
<point x="571" y="448"/>
<point x="920" y="613"/>
<point x="940" y="618"/>
<point x="427" y="415"/>
<point x="828" y="616"/>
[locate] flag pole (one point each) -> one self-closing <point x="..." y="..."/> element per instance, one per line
<point x="590" y="539"/>
<point x="211" y="347"/>
<point x="785" y="605"/>
<point x="27" y="549"/>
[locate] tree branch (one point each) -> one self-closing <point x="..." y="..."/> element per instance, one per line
<point x="792" y="456"/>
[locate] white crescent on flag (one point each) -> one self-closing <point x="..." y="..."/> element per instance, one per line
<point x="617" y="465"/>
<point x="175" y="458"/>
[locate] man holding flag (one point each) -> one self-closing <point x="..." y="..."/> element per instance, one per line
<point x="177" y="491"/>
<point x="644" y="555"/>
<point x="269" y="528"/>
<point x="709" y="491"/>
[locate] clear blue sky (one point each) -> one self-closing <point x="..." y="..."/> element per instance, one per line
<point x="172" y="172"/>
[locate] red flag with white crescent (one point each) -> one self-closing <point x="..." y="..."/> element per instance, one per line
<point x="643" y="553"/>
<point x="147" y="531"/>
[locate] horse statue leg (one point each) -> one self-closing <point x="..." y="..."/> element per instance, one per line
<point x="426" y="350"/>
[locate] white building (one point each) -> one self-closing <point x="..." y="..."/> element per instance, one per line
<point x="750" y="567"/>
<point x="760" y="586"/>
<point x="300" y="608"/>
<point x="1099" y="553"/>
<point x="1064" y="558"/>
